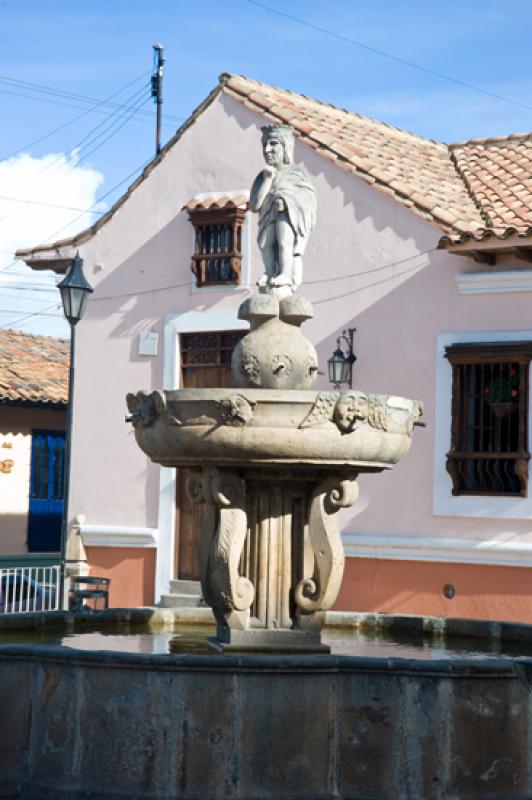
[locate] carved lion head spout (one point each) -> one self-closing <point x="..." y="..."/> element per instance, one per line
<point x="145" y="407"/>
<point x="350" y="408"/>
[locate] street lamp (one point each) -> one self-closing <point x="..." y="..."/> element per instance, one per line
<point x="340" y="364"/>
<point x="75" y="291"/>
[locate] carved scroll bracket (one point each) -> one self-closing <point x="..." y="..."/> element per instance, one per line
<point x="222" y="540"/>
<point x="319" y="592"/>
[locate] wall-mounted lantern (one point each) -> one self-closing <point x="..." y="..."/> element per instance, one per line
<point x="341" y="362"/>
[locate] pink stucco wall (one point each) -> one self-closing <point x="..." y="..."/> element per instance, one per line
<point x="408" y="587"/>
<point x="359" y="271"/>
<point x="131" y="571"/>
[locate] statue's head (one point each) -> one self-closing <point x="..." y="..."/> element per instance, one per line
<point x="278" y="138"/>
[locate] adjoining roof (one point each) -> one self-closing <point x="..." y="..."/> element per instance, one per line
<point x="472" y="189"/>
<point x="498" y="173"/>
<point x="33" y="369"/>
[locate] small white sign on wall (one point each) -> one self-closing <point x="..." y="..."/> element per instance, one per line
<point x="148" y="343"/>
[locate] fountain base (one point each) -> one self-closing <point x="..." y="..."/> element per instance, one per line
<point x="259" y="640"/>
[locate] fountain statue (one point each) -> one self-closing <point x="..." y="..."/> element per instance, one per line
<point x="273" y="460"/>
<point x="286" y="201"/>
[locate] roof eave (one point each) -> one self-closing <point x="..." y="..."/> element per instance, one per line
<point x="51" y="405"/>
<point x="485" y="245"/>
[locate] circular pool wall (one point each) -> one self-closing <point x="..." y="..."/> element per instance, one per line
<point x="97" y="725"/>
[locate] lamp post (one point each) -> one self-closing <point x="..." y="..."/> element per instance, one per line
<point x="75" y="290"/>
<point x="340" y="364"/>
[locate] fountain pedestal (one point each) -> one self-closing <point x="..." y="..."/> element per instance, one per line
<point x="271" y="556"/>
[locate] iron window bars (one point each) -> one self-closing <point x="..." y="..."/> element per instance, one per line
<point x="217" y="255"/>
<point x="489" y="433"/>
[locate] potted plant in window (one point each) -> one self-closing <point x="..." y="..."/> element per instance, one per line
<point x="502" y="393"/>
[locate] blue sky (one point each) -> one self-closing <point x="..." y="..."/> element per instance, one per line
<point x="94" y="49"/>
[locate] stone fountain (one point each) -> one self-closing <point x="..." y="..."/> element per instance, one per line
<point x="273" y="460"/>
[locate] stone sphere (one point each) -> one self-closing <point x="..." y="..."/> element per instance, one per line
<point x="274" y="355"/>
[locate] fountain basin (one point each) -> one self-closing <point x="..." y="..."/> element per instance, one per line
<point x="250" y="427"/>
<point x="80" y="724"/>
<point x="272" y="467"/>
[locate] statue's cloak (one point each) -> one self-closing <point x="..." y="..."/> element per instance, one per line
<point x="291" y="184"/>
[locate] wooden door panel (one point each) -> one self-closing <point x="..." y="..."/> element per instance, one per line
<point x="206" y="364"/>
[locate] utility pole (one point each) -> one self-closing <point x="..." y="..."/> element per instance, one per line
<point x="157" y="90"/>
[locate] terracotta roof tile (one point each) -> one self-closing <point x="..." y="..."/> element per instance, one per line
<point x="33" y="369"/>
<point x="498" y="173"/>
<point x="218" y="200"/>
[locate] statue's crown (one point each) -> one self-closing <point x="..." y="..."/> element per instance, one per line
<point x="283" y="131"/>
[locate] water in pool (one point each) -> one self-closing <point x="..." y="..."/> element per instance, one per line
<point x="346" y="642"/>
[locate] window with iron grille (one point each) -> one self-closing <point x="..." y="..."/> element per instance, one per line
<point x="217" y="258"/>
<point x="209" y="349"/>
<point x="489" y="434"/>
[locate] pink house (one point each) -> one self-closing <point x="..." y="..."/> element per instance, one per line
<point x="423" y="247"/>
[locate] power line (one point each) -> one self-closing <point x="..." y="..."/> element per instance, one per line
<point x="41" y="313"/>
<point x="364" y="288"/>
<point x="130" y="99"/>
<point x="46" y="205"/>
<point x="306" y="283"/>
<point x="117" y="124"/>
<point x="97" y="202"/>
<point x="8" y="293"/>
<point x="60" y="159"/>
<point x="48" y="174"/>
<point x="314" y="302"/>
<point x="74" y="119"/>
<point x="65" y="105"/>
<point x="390" y="56"/>
<point x="113" y="132"/>
<point x="8" y="266"/>
<point x="373" y="269"/>
<point x="39" y="88"/>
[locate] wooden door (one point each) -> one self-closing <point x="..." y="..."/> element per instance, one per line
<point x="206" y="364"/>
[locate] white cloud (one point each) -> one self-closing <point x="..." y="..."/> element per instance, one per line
<point x="55" y="184"/>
